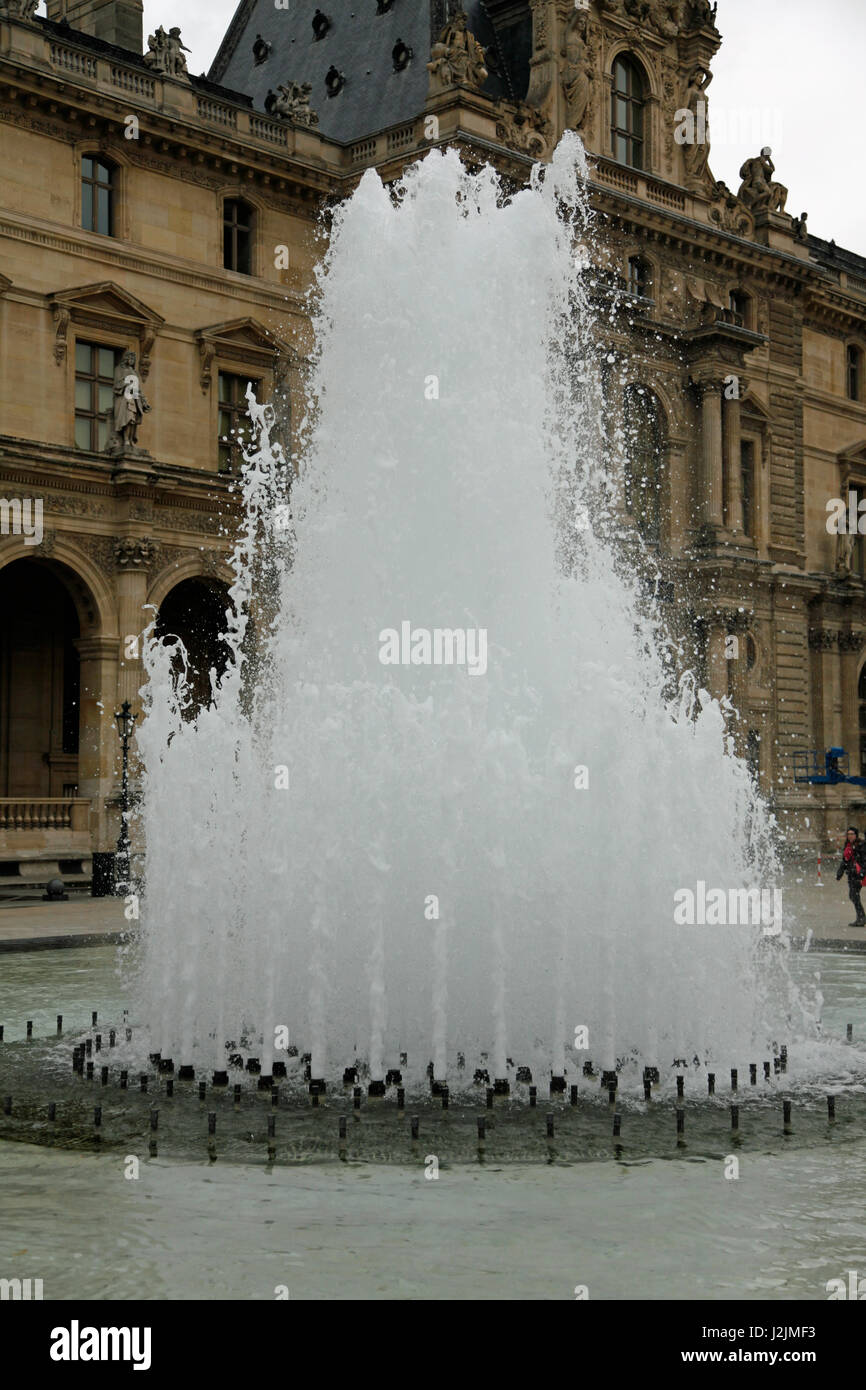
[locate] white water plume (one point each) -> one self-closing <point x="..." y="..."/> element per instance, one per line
<point x="433" y="880"/>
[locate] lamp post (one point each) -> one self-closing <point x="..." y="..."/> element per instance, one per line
<point x="124" y="719"/>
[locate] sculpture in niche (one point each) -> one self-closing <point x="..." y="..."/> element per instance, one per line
<point x="845" y="543"/>
<point x="696" y="151"/>
<point x="165" y="53"/>
<point x="576" y="75"/>
<point x="130" y="406"/>
<point x="758" y="190"/>
<point x="457" y="59"/>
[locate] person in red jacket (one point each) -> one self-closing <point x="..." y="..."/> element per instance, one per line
<point x="854" y="865"/>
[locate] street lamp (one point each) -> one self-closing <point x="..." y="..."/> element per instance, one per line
<point x="124" y="718"/>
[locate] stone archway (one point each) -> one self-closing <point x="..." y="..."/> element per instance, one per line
<point x="194" y="610"/>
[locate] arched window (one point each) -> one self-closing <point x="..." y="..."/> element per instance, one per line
<point x="98" y="194"/>
<point x="854" y="372"/>
<point x="627" y="112"/>
<point x="640" y="277"/>
<point x="237" y="236"/>
<point x="644" y="447"/>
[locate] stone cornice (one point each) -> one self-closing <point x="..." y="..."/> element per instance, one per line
<point x="144" y="261"/>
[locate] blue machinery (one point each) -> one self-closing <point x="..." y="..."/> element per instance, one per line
<point x="824" y="769"/>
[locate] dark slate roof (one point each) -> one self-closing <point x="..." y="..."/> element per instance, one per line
<point x="359" y="44"/>
<point x="835" y="257"/>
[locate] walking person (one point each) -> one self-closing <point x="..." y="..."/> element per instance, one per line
<point x="854" y="865"/>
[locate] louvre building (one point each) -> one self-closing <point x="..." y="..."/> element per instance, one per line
<point x="177" y="218"/>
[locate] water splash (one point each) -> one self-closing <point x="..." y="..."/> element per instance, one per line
<point x="436" y="878"/>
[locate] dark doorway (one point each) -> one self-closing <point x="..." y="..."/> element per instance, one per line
<point x="195" y="611"/>
<point x="39" y="683"/>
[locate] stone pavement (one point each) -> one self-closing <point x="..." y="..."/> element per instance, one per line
<point x="35" y="925"/>
<point x="825" y="911"/>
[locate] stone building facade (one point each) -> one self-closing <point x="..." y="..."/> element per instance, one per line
<point x="145" y="209"/>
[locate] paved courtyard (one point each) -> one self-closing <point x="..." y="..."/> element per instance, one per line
<point x="35" y="925"/>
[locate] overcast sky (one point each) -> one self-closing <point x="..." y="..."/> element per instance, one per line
<point x="789" y="74"/>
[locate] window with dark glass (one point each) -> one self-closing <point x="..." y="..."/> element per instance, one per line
<point x="94" y="395"/>
<point x="644" y="445"/>
<point x="627" y="113"/>
<point x="741" y="306"/>
<point x="854" y="363"/>
<point x="97" y="195"/>
<point x="237" y="236"/>
<point x="234" y="426"/>
<point x="747" y="485"/>
<point x="639" y="277"/>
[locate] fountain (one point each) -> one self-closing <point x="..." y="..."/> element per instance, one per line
<point x="455" y="809"/>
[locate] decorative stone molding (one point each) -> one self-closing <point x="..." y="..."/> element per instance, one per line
<point x="107" y="307"/>
<point x="135" y="552"/>
<point x="61" y="315"/>
<point x="823" y="639"/>
<point x="851" y="641"/>
<point x="523" y="128"/>
<point x="728" y="212"/>
<point x="46" y="545"/>
<point x="24" y="10"/>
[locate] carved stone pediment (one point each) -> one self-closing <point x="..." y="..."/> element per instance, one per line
<point x="728" y="212"/>
<point x="105" y="306"/>
<point x="240" y="340"/>
<point x="523" y="127"/>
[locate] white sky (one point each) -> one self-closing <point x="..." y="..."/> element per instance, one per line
<point x="800" y="65"/>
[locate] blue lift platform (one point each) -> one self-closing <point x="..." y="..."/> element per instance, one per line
<point x="822" y="769"/>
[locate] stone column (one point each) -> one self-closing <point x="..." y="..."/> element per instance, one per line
<point x="850" y="648"/>
<point x="734" y="498"/>
<point x="717" y="664"/>
<point x="711" y="454"/>
<point x="133" y="555"/>
<point x="98" y="738"/>
<point x="737" y="625"/>
<point x="826" y="691"/>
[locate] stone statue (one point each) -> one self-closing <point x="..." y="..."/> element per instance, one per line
<point x="702" y="14"/>
<point x="130" y="405"/>
<point x="18" y="9"/>
<point x="165" y="53"/>
<point x="293" y="103"/>
<point x="845" y="543"/>
<point x="457" y="59"/>
<point x="758" y="190"/>
<point x="800" y="230"/>
<point x="576" y="76"/>
<point x="696" y="152"/>
<point x="665" y="15"/>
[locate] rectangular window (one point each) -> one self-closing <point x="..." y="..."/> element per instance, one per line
<point x="747" y="485"/>
<point x="237" y="233"/>
<point x="97" y="196"/>
<point x="234" y="427"/>
<point x="854" y="360"/>
<point x="94" y="395"/>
